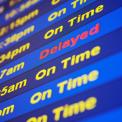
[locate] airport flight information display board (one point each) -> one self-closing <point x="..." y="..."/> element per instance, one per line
<point x="60" y="61"/>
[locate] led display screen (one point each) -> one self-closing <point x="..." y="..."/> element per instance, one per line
<point x="60" y="61"/>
